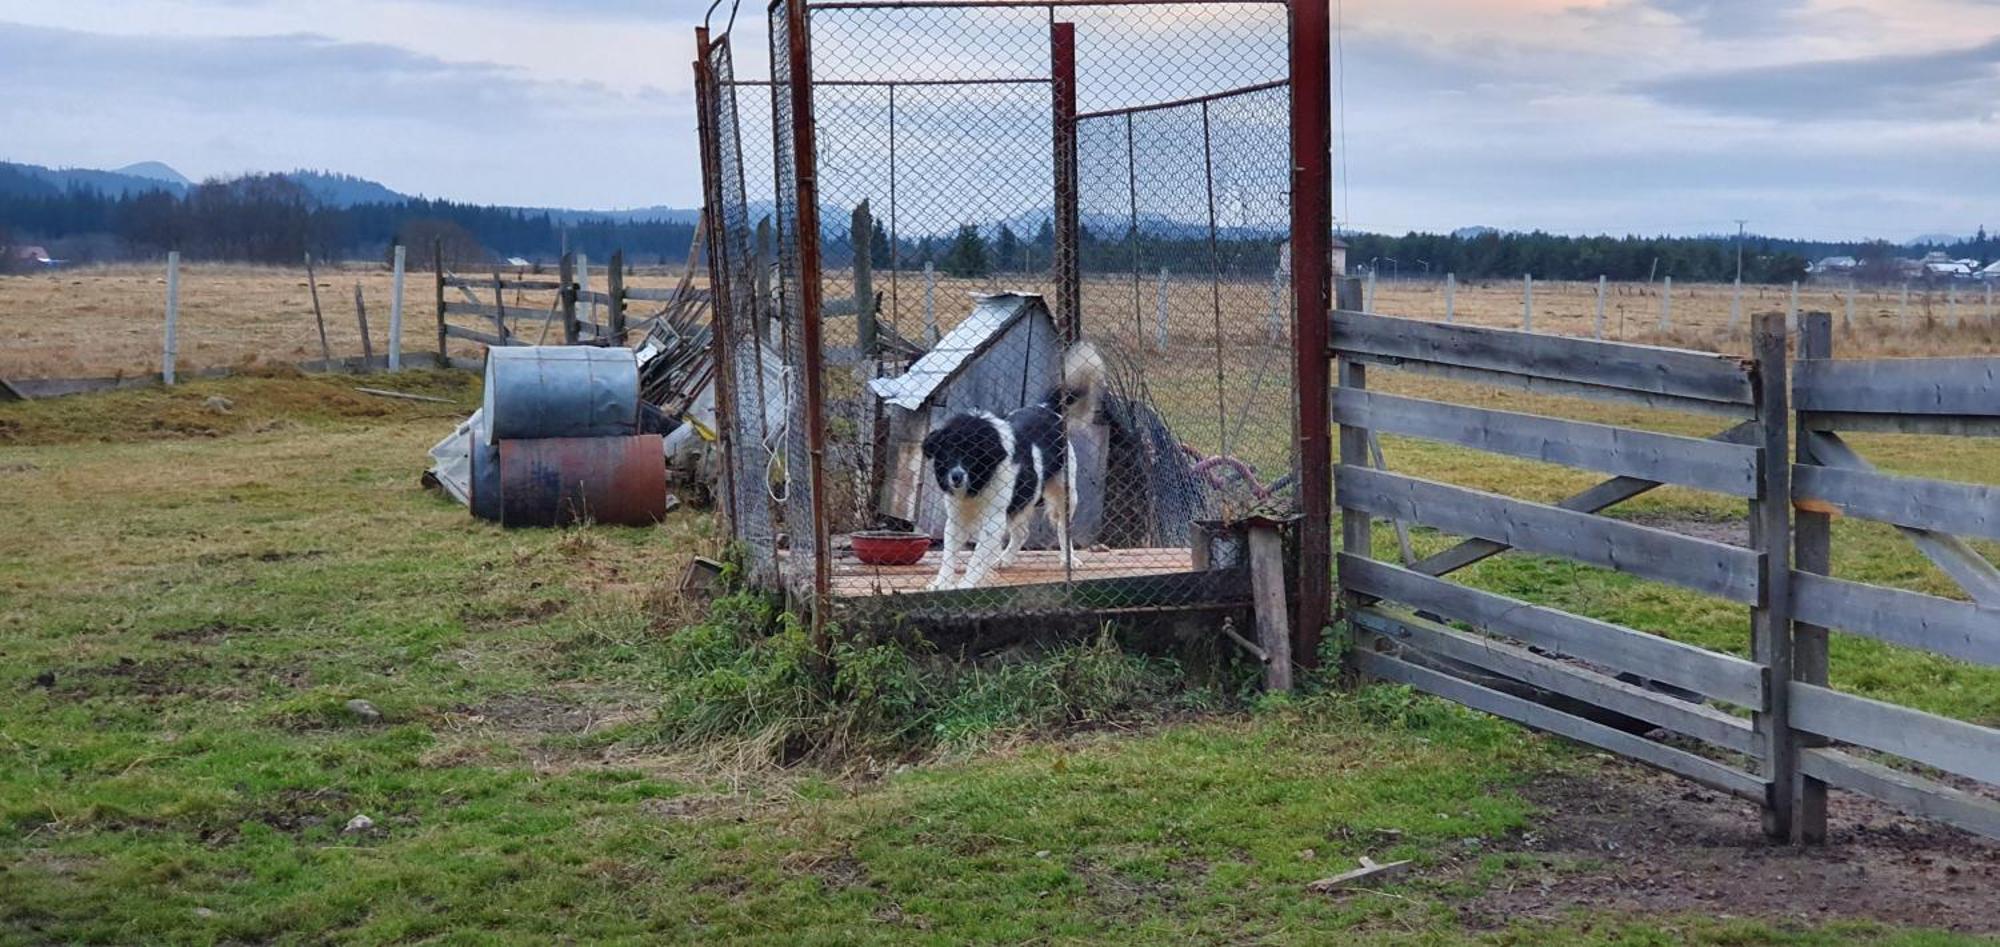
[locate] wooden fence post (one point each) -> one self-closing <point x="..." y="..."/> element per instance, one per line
<point x="1356" y="533"/>
<point x="1951" y="305"/>
<point x="312" y="283"/>
<point x="1528" y="302"/>
<point x="396" y="312"/>
<point x="930" y="304"/>
<point x="1159" y="308"/>
<point x="1667" y="304"/>
<point x="1601" y="280"/>
<point x="1849" y="321"/>
<point x="567" y="276"/>
<point x="1368" y="293"/>
<point x="1274" y="624"/>
<point x="361" y="317"/>
<point x="1902" y="309"/>
<point x="499" y="308"/>
<point x="437" y="264"/>
<point x="1771" y="537"/>
<point x="170" y="350"/>
<point x="1736" y="306"/>
<point x="583" y="288"/>
<point x="1450" y="298"/>
<point x="1812" y="551"/>
<point x="1792" y="309"/>
<point x="860" y="238"/>
<point x="614" y="290"/>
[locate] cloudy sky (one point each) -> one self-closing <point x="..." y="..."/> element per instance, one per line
<point x="1822" y="118"/>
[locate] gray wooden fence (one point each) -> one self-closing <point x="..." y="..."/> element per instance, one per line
<point x="552" y="318"/>
<point x="1609" y="685"/>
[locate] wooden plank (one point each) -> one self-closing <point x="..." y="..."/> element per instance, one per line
<point x="1700" y="769"/>
<point x="361" y="319"/>
<point x="1356" y="529"/>
<point x="1703" y="565"/>
<point x="1961" y="508"/>
<point x="1695" y="720"/>
<point x="1662" y="458"/>
<point x="1951" y="745"/>
<point x="667" y="295"/>
<point x="1943" y="425"/>
<point x="1274" y="622"/>
<point x="1962" y="630"/>
<point x="319" y="317"/>
<point x="1950" y="554"/>
<point x="1598" y="498"/>
<point x="1675" y="372"/>
<point x="479" y="310"/>
<point x="1906" y="791"/>
<point x="1536" y="385"/>
<point x="1950" y="386"/>
<point x="1812" y="554"/>
<point x="1721" y="676"/>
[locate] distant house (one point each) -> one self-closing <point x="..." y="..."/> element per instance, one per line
<point x="24" y="258"/>
<point x="1991" y="273"/>
<point x="1834" y="264"/>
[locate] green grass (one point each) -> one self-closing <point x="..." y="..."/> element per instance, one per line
<point x="564" y="755"/>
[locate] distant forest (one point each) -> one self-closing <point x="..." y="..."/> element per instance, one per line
<point x="273" y="219"/>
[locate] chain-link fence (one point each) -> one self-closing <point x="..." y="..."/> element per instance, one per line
<point x="1054" y="309"/>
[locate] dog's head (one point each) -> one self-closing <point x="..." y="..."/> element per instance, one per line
<point x="964" y="454"/>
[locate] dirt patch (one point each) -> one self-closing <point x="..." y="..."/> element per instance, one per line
<point x="1629" y="840"/>
<point x="532" y="715"/>
<point x="151" y="679"/>
<point x="208" y="633"/>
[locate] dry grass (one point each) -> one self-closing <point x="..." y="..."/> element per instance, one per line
<point x="107" y="321"/>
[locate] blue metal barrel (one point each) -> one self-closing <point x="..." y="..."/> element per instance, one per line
<point x="483" y="489"/>
<point x="560" y="391"/>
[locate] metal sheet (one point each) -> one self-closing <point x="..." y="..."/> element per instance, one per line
<point x="541" y="391"/>
<point x="563" y="480"/>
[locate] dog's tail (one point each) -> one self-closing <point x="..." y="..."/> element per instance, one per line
<point x="1076" y="399"/>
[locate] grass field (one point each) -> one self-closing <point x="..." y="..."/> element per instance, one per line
<point x="192" y="592"/>
<point x="106" y="321"/>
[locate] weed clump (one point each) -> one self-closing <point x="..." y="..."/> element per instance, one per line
<point x="748" y="675"/>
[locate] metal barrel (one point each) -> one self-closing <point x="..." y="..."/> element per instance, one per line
<point x="483" y="488"/>
<point x="560" y="391"/>
<point x="562" y="480"/>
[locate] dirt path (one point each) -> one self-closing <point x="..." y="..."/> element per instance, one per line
<point x="1629" y="840"/>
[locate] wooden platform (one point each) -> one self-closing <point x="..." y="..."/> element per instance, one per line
<point x="854" y="579"/>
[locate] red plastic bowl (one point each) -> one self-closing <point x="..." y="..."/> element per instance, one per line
<point x="883" y="548"/>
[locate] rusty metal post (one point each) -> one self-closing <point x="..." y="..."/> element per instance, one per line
<point x="1068" y="266"/>
<point x="1312" y="230"/>
<point x="805" y="160"/>
<point x="614" y="289"/>
<point x="721" y="317"/>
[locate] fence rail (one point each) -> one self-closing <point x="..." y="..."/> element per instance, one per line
<point x="1601" y="683"/>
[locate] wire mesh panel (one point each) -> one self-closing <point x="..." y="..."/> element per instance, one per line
<point x="1055" y="301"/>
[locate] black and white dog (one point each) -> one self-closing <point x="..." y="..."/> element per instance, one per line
<point x="995" y="471"/>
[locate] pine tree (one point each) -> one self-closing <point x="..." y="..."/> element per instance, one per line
<point x="1007" y="250"/>
<point x="967" y="256"/>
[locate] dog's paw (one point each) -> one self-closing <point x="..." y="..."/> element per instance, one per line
<point x="942" y="583"/>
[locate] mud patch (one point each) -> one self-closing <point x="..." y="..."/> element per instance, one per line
<point x="1633" y="841"/>
<point x="209" y="633"/>
<point x="151" y="679"/>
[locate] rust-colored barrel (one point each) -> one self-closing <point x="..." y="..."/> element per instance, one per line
<point x="562" y="480"/>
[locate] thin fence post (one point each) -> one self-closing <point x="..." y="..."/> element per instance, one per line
<point x="171" y="348"/>
<point x="1450" y="297"/>
<point x="566" y="275"/>
<point x="1989" y="298"/>
<point x="1160" y="311"/>
<point x="499" y="309"/>
<point x="614" y="291"/>
<point x="1368" y="296"/>
<point x="860" y="235"/>
<point x="1667" y="304"/>
<point x="1812" y="551"/>
<point x="1792" y="308"/>
<point x="396" y="312"/>
<point x="1849" y="321"/>
<point x="437" y="267"/>
<point x="1903" y="308"/>
<point x="1736" y="306"/>
<point x="1528" y="302"/>
<point x="1951" y="305"/>
<point x="583" y="288"/>
<point x="1601" y="280"/>
<point x="930" y="303"/>
<point x="319" y="318"/>
<point x="361" y="318"/>
<point x="1771" y="537"/>
<point x="1356" y="526"/>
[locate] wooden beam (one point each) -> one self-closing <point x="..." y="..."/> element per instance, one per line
<point x="1721" y="676"/>
<point x="1274" y="624"/>
<point x="1662" y="458"/>
<point x="1950" y="554"/>
<point x="1954" y="746"/>
<point x="1963" y="630"/>
<point x="1916" y="502"/>
<point x="1950" y="386"/>
<point x="1705" y="566"/>
<point x="1906" y="791"/>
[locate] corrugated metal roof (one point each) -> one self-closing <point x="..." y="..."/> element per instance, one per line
<point x="991" y="317"/>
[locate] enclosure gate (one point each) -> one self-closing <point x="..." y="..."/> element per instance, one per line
<point x="1606" y="685"/>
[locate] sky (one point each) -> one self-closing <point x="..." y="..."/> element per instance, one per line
<point x="1832" y="119"/>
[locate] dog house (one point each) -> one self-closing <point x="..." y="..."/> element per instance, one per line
<point x="925" y="204"/>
